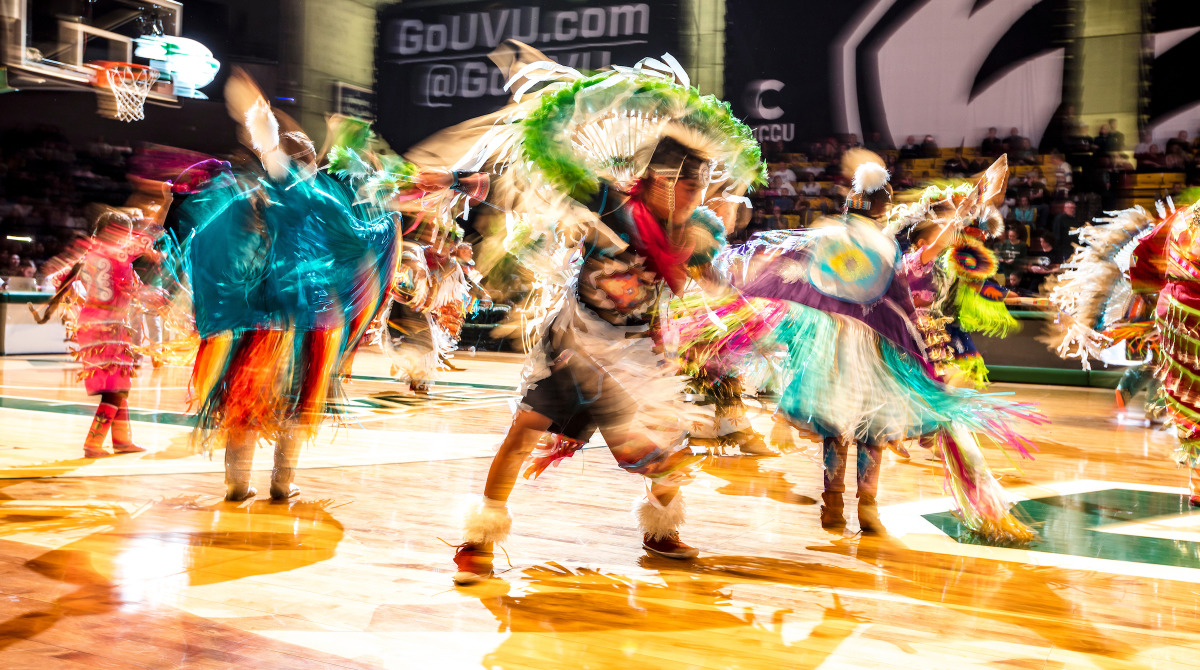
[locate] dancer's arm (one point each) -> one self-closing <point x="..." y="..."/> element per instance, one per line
<point x="938" y="244"/>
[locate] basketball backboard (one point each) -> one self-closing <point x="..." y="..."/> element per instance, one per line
<point x="47" y="44"/>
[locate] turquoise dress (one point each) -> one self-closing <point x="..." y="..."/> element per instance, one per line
<point x="285" y="279"/>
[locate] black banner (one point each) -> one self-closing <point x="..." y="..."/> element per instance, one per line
<point x="432" y="69"/>
<point x="780" y="84"/>
<point x="828" y="83"/>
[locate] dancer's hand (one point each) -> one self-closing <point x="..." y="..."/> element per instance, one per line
<point x="434" y="180"/>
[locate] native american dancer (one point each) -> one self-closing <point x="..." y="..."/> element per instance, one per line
<point x="1122" y="261"/>
<point x="855" y="369"/>
<point x="96" y="277"/>
<point x="602" y="177"/>
<point x="288" y="267"/>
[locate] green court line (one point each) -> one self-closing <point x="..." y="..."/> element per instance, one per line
<point x="445" y="382"/>
<point x="374" y="402"/>
<point x="88" y="409"/>
<point x="1072" y="525"/>
<point x="372" y="378"/>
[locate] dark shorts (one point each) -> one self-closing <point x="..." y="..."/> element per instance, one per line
<point x="579" y="397"/>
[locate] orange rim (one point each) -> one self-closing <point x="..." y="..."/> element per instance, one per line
<point x="101" y="68"/>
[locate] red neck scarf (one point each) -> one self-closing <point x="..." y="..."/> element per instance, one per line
<point x="665" y="259"/>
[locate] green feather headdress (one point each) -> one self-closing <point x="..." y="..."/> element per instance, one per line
<point x="596" y="126"/>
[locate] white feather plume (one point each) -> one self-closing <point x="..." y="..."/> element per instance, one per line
<point x="262" y="126"/>
<point x="870" y="177"/>
<point x="1093" y="291"/>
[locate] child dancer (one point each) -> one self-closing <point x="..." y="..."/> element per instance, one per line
<point x="103" y="335"/>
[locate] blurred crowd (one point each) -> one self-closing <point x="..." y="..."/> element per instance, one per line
<point x="47" y="184"/>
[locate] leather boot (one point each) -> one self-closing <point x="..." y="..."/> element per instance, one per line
<point x="869" y="457"/>
<point x="286" y="451"/>
<point x="868" y="516"/>
<point x="122" y="434"/>
<point x="832" y="516"/>
<point x="239" y="457"/>
<point x="93" y="444"/>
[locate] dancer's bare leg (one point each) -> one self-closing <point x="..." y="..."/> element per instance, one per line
<point x="522" y="436"/>
<point x="490" y="522"/>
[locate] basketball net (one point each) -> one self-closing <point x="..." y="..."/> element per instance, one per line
<point x="124" y="91"/>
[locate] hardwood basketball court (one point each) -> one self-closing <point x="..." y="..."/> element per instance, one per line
<point x="136" y="562"/>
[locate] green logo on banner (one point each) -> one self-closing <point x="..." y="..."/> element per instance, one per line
<point x="1073" y="525"/>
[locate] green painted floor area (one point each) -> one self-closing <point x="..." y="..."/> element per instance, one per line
<point x="1073" y="525"/>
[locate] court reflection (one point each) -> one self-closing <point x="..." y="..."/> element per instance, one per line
<point x="747" y="477"/>
<point x="146" y="549"/>
<point x="707" y="613"/>
<point x="584" y="618"/>
<point x="977" y="599"/>
<point x="128" y="558"/>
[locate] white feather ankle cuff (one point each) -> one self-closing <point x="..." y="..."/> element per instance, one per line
<point x="487" y="522"/>
<point x="656" y="520"/>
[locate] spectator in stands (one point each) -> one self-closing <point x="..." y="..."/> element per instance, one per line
<point x="1103" y="141"/>
<point x="28" y="269"/>
<point x="1064" y="177"/>
<point x="956" y="165"/>
<point x="1121" y="162"/>
<point x="1042" y="261"/>
<point x="810" y="188"/>
<point x="929" y="148"/>
<point x="757" y="223"/>
<point x="1080" y="146"/>
<point x="1143" y="145"/>
<point x="876" y="143"/>
<point x="1024" y="154"/>
<point x="1036" y="182"/>
<point x="1116" y="139"/>
<point x="782" y="202"/>
<point x="1153" y="159"/>
<point x="832" y="152"/>
<point x="1039" y="198"/>
<point x="910" y="149"/>
<point x="1174" y="161"/>
<point x="1018" y="182"/>
<point x="785" y="175"/>
<point x="13" y="267"/>
<point x="1064" y="223"/>
<point x="1013" y="141"/>
<point x="1175" y="191"/>
<point x="1014" y="281"/>
<point x="781" y="186"/>
<point x="991" y="146"/>
<point x="802" y="212"/>
<point x="771" y="148"/>
<point x="852" y="141"/>
<point x="1025" y="216"/>
<point x="1011" y="252"/>
<point x="904" y="180"/>
<point x="1193" y="172"/>
<point x="777" y="221"/>
<point x="1180" y="141"/>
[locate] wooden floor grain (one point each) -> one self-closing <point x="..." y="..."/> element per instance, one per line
<point x="135" y="561"/>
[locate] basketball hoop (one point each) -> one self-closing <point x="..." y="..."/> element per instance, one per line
<point x="123" y="88"/>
